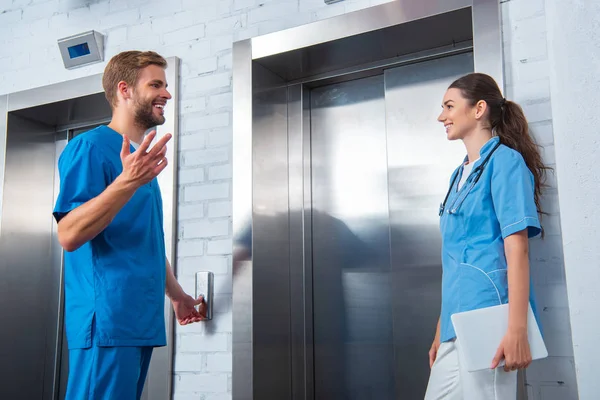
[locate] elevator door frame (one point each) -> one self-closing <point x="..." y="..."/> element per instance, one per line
<point x="488" y="58"/>
<point x="159" y="378"/>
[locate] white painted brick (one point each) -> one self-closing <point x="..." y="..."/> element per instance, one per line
<point x="205" y="229"/>
<point x="200" y="50"/>
<point x="128" y="17"/>
<point x="184" y="35"/>
<point x="226" y="61"/>
<point x="223" y="283"/>
<point x="203" y="9"/>
<point x="190" y="211"/>
<point x="200" y="122"/>
<point x="116" y="36"/>
<point x="247" y="33"/>
<point x="312" y="5"/>
<point x="5" y="5"/>
<point x="527" y="28"/>
<point x="226" y="25"/>
<point x="158" y="8"/>
<point x="173" y="22"/>
<point x="222" y="100"/>
<point x="30" y="31"/>
<point x="210" y="82"/>
<point x="186" y="396"/>
<point x="329" y="12"/>
<point x="205" y="66"/>
<point x="189" y="362"/>
<point x="79" y="14"/>
<point x="222" y="43"/>
<point x="219" y="363"/>
<point x="558" y="392"/>
<point x="529" y="71"/>
<point x="205" y="382"/>
<point x="551" y="179"/>
<point x="20" y="61"/>
<point x="520" y="10"/>
<point x="555" y="323"/>
<point x="220" y="172"/>
<point x="551" y="369"/>
<point x="220" y="209"/>
<point x="225" y="8"/>
<point x="222" y="303"/>
<point x="216" y="264"/>
<point x="140" y="30"/>
<point x="10" y="17"/>
<point x="532" y="48"/>
<point x="530" y="91"/>
<point x="203" y="157"/>
<point x="549" y="249"/>
<point x="194" y="343"/>
<point x="272" y="11"/>
<point x="220" y="137"/>
<point x="193" y="141"/>
<point x="352" y="6"/>
<point x="221" y="323"/>
<point x="206" y="192"/>
<point x="220" y="246"/>
<point x="41" y="10"/>
<point x="188" y="285"/>
<point x="188" y="248"/>
<point x="271" y="26"/>
<point x="538" y="111"/>
<point x="195" y="175"/>
<point x="548" y="155"/>
<point x="244" y="4"/>
<point x="145" y="42"/>
<point x="552" y="225"/>
<point x="219" y="396"/>
<point x="551" y="295"/>
<point x="100" y="8"/>
<point x="543" y="132"/>
<point x="40" y="55"/>
<point x="190" y="329"/>
<point x="549" y="203"/>
<point x="58" y="21"/>
<point x="118" y="5"/>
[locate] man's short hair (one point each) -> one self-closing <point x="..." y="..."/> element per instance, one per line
<point x="126" y="67"/>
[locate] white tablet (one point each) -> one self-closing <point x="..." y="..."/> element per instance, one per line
<point x="481" y="331"/>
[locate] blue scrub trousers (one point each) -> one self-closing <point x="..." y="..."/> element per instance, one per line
<point x="107" y="373"/>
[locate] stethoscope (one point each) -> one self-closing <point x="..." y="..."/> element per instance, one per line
<point x="477" y="171"/>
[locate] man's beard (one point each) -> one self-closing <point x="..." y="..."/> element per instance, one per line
<point x="144" y="116"/>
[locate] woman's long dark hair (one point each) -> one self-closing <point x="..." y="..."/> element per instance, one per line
<point x="507" y="121"/>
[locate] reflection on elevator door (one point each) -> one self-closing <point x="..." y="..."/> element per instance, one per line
<point x="380" y="163"/>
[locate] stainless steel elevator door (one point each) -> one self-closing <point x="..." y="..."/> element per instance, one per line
<point x="380" y="166"/>
<point x="30" y="265"/>
<point x="34" y="355"/>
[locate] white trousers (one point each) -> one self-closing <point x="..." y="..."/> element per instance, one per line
<point x="449" y="380"/>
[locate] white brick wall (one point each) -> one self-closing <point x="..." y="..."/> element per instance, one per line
<point x="201" y="32"/>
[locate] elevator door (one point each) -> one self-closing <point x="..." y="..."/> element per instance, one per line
<point x="380" y="166"/>
<point x="34" y="355"/>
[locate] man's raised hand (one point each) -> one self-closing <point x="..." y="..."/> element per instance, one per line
<point x="142" y="166"/>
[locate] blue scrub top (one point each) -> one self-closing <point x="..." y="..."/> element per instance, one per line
<point x="115" y="283"/>
<point x="475" y="222"/>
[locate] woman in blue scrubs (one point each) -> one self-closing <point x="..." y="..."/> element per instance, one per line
<point x="491" y="210"/>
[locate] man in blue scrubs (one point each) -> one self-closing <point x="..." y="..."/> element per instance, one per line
<point x="110" y="222"/>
